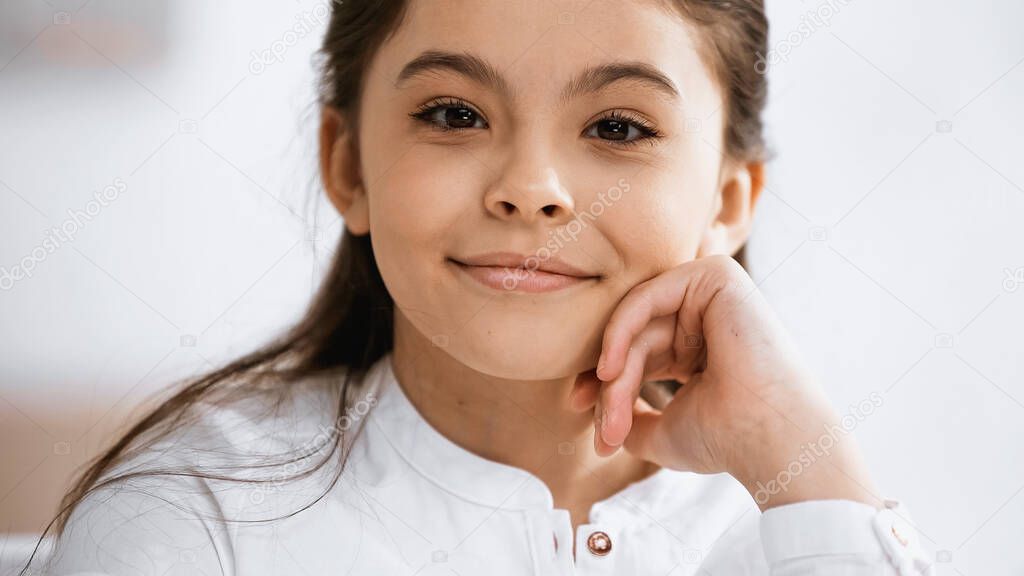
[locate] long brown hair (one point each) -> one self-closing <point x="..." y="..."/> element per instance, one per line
<point x="348" y="325"/>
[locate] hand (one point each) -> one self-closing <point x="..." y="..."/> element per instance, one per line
<point x="747" y="405"/>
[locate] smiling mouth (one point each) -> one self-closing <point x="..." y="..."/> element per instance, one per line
<point x="520" y="279"/>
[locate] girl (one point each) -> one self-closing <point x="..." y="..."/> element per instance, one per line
<point x="535" y="352"/>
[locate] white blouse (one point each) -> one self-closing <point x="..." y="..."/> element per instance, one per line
<point x="410" y="501"/>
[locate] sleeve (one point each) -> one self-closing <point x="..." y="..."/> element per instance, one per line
<point x="168" y="527"/>
<point x="842" y="537"/>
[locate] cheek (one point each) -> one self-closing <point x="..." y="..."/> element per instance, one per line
<point x="404" y="222"/>
<point x="661" y="225"/>
<point x="415" y="208"/>
<point x="423" y="191"/>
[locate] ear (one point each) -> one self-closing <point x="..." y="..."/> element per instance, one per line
<point x="740" y="186"/>
<point x="340" y="171"/>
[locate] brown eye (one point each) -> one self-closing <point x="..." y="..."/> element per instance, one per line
<point x="460" y="117"/>
<point x="450" y="114"/>
<point x="621" y="129"/>
<point x="612" y="130"/>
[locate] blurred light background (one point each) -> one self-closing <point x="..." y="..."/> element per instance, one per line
<point x="173" y="143"/>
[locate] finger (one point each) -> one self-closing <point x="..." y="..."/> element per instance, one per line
<point x="617" y="398"/>
<point x="587" y="389"/>
<point x="669" y="436"/>
<point x="688" y="344"/>
<point x="684" y="291"/>
<point x="657" y="338"/>
<point x="662" y="295"/>
<point x="689" y="356"/>
<point x="659" y="366"/>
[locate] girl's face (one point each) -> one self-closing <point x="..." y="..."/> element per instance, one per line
<point x="582" y="132"/>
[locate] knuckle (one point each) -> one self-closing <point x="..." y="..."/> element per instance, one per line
<point x="727" y="264"/>
<point x="732" y="274"/>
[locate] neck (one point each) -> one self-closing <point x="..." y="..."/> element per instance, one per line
<point x="524" y="423"/>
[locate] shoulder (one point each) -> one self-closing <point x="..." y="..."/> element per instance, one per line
<point x="176" y="503"/>
<point x="143" y="526"/>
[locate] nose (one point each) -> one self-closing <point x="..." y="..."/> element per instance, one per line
<point x="529" y="189"/>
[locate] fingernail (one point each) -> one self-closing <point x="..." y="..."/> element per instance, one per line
<point x="600" y="364"/>
<point x="604" y="422"/>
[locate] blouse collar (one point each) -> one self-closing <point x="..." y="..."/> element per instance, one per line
<point x="474" y="478"/>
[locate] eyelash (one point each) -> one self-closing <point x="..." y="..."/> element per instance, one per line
<point x="648" y="133"/>
<point x="425" y="111"/>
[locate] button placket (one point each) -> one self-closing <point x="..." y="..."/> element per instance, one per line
<point x="561" y="530"/>
<point x="552" y="536"/>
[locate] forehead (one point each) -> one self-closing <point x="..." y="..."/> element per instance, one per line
<point x="539" y="45"/>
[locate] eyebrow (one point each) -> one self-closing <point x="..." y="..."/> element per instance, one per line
<point x="590" y="80"/>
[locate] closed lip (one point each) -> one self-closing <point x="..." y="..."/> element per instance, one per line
<point x="552" y="265"/>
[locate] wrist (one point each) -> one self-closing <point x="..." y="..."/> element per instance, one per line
<point x="789" y="464"/>
<point x="823" y="480"/>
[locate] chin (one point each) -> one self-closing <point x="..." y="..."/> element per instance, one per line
<point x="515" y="338"/>
<point x="530" y="354"/>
